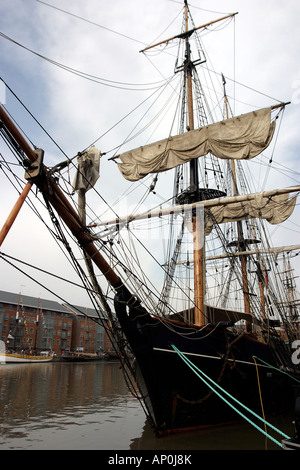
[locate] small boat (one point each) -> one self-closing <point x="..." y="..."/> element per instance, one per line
<point x="80" y="357"/>
<point x="18" y="353"/>
<point x="25" y="358"/>
<point x="110" y="356"/>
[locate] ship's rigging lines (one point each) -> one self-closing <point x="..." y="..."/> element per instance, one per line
<point x="121" y="267"/>
<point x="115" y="258"/>
<point x="116" y="254"/>
<point x="89" y="21"/>
<point x="126" y="259"/>
<point x="100" y="80"/>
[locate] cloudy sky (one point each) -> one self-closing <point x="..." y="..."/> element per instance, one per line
<point x="77" y="68"/>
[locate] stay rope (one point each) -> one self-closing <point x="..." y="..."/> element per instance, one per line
<point x="205" y="379"/>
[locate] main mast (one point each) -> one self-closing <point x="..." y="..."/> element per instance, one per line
<point x="194" y="193"/>
<point x="241" y="242"/>
<point x="198" y="242"/>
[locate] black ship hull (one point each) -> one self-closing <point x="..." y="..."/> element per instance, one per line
<point x="175" y="396"/>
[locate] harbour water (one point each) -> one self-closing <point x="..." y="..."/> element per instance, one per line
<point x="87" y="406"/>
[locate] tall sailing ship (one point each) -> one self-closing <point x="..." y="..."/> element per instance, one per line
<point x="21" y="344"/>
<point x="192" y="338"/>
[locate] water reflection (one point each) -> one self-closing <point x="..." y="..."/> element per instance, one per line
<point x="239" y="436"/>
<point x="59" y="405"/>
<point x="87" y="406"/>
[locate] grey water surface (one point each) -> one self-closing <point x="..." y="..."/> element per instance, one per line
<point x="87" y="406"/>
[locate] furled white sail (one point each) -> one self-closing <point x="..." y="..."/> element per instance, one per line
<point x="241" y="137"/>
<point x="87" y="170"/>
<point x="275" y="210"/>
<point x="273" y="205"/>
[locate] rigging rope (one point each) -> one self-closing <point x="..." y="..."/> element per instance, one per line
<point x="90" y="22"/>
<point x="203" y="377"/>
<point x="86" y="76"/>
<point x="279" y="370"/>
<point x="260" y="397"/>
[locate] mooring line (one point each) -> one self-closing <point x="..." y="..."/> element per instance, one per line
<point x="201" y="375"/>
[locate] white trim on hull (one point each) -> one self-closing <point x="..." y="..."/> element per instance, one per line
<point x="6" y="358"/>
<point x="213" y="357"/>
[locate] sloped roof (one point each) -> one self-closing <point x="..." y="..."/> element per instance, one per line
<point x="33" y="302"/>
<point x="89" y="312"/>
<point x="44" y="304"/>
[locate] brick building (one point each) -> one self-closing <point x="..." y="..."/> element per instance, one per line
<point x="31" y="323"/>
<point x="88" y="335"/>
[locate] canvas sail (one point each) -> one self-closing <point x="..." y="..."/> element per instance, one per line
<point x="87" y="170"/>
<point x="242" y="137"/>
<point x="273" y="205"/>
<point x="274" y="209"/>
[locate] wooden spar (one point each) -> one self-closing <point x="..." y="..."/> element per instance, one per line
<point x="232" y="162"/>
<point x="273" y="251"/>
<point x="6" y="121"/>
<point x="198" y="240"/>
<point x="65" y="210"/>
<point x="82" y="205"/>
<point x="189" y="74"/>
<point x="277" y="106"/>
<point x="241" y="241"/>
<point x="199" y="284"/>
<point x="188" y="32"/>
<point x="15" y="211"/>
<point x="184" y="208"/>
<point x="261" y="281"/>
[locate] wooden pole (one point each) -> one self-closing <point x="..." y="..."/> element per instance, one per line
<point x="241" y="241"/>
<point x="198" y="240"/>
<point x="66" y="211"/>
<point x="188" y="32"/>
<point x="12" y="216"/>
<point x="199" y="269"/>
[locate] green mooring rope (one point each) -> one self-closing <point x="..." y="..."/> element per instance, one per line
<point x="201" y="375"/>
<point x="276" y="368"/>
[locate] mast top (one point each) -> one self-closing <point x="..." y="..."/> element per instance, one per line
<point x="188" y="33"/>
